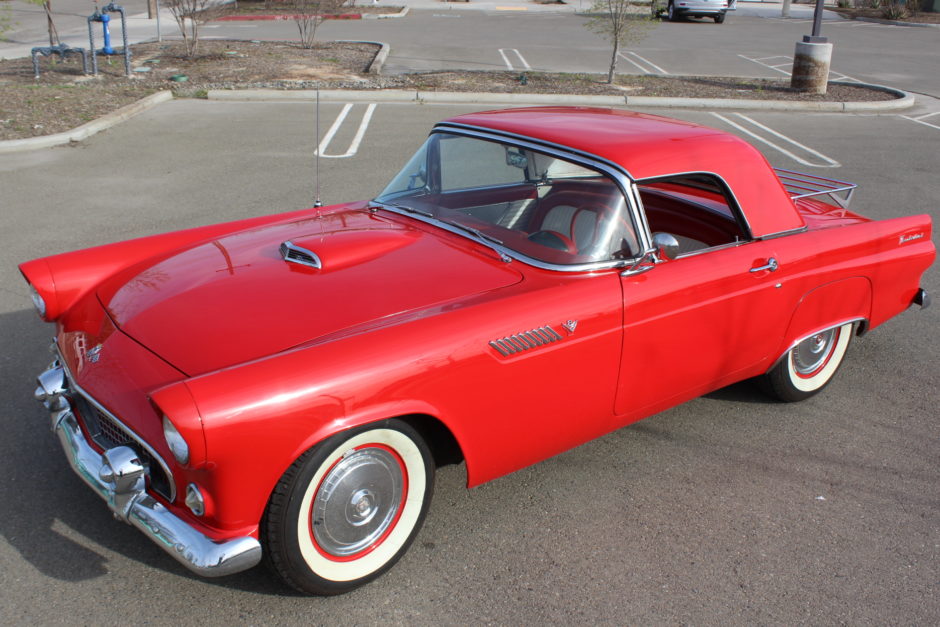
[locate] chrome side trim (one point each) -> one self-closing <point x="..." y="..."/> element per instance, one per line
<point x="863" y="323"/>
<point x="801" y="229"/>
<point x="72" y="386"/>
<point x="117" y="477"/>
<point x="526" y="340"/>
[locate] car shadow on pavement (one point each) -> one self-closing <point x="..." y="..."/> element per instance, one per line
<point x="742" y="392"/>
<point x="51" y="518"/>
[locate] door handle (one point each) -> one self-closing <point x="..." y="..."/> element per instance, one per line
<point x="771" y="266"/>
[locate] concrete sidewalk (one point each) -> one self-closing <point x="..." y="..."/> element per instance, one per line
<point x="30" y="29"/>
<point x="70" y="16"/>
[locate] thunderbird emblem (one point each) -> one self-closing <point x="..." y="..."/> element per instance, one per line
<point x="570" y="325"/>
<point x="94" y="354"/>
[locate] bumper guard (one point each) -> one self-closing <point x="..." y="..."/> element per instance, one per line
<point x="119" y="478"/>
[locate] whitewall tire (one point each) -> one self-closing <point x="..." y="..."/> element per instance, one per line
<point x="809" y="366"/>
<point x="349" y="508"/>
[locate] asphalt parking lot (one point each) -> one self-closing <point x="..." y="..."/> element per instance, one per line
<point x="726" y="509"/>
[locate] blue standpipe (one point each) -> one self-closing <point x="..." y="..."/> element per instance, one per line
<point x="105" y="19"/>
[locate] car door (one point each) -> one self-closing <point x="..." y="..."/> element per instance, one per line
<point x="707" y="317"/>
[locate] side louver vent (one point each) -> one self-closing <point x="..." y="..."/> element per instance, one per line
<point x="296" y="254"/>
<point x="520" y="342"/>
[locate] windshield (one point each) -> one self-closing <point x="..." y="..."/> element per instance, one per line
<point x="533" y="203"/>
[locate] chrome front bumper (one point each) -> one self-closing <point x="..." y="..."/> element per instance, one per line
<point x="118" y="477"/>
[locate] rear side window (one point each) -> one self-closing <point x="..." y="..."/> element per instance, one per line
<point x="695" y="208"/>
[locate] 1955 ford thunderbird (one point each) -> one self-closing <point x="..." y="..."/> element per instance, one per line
<point x="283" y="387"/>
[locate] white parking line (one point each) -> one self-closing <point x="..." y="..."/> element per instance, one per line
<point x="920" y="119"/>
<point x="826" y="162"/>
<point x="357" y="139"/>
<point x="643" y="60"/>
<point x="502" y="53"/>
<point x="788" y="63"/>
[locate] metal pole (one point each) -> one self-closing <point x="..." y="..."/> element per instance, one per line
<point x="816" y="38"/>
<point x="317" y="203"/>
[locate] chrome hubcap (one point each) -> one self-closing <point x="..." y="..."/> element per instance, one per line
<point x="810" y="354"/>
<point x="358" y="501"/>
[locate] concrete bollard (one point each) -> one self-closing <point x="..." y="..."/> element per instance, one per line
<point x="811" y="67"/>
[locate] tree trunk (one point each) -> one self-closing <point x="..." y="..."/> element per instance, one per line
<point x="613" y="62"/>
<point x="53" y="33"/>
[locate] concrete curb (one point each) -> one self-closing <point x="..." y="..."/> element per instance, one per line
<point x="86" y="130"/>
<point x="378" y="61"/>
<point x="904" y="101"/>
<point x="276" y="17"/>
<point x="872" y="20"/>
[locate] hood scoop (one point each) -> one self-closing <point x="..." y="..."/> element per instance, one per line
<point x="333" y="250"/>
<point x="297" y="254"/>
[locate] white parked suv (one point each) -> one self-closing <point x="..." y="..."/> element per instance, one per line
<point x="675" y="10"/>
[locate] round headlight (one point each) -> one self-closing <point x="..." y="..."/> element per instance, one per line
<point x="38" y="301"/>
<point x="175" y="441"/>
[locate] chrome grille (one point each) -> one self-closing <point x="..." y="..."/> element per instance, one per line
<point x="524" y="341"/>
<point x="107" y="433"/>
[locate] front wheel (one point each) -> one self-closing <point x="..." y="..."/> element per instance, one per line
<point x="349" y="508"/>
<point x="808" y="366"/>
<point x="720" y="18"/>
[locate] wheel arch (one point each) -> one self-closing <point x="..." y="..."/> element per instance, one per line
<point x="437" y="433"/>
<point x="827" y="306"/>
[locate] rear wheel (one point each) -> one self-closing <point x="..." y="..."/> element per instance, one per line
<point x="809" y="366"/>
<point x="349" y="508"/>
<point x="720" y="18"/>
<point x="671" y="13"/>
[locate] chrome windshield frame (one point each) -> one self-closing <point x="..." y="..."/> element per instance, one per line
<point x="617" y="174"/>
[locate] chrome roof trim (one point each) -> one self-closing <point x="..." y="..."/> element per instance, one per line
<point x="737" y="209"/>
<point x="88" y="397"/>
<point x="539" y="144"/>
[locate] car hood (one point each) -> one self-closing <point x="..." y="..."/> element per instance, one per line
<point x="237" y="298"/>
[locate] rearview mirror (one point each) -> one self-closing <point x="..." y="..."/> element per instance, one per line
<point x="516" y="158"/>
<point x="666" y="245"/>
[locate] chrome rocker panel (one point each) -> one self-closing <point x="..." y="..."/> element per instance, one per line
<point x="118" y="477"/>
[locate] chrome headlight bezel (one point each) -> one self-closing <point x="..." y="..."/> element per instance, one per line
<point x="38" y="301"/>
<point x="177" y="443"/>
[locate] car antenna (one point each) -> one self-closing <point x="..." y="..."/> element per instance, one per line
<point x="317" y="202"/>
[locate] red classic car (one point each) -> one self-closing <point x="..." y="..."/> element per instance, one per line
<point x="284" y="386"/>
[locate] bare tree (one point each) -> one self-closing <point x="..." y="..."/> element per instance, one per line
<point x="190" y="15"/>
<point x="619" y="23"/>
<point x="50" y="24"/>
<point x="310" y="14"/>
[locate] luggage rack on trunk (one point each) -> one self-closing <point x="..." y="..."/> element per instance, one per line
<point x="800" y="185"/>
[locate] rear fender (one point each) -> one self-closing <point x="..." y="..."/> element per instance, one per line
<point x="828" y="306"/>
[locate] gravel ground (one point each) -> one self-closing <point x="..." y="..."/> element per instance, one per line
<point x="63" y="98"/>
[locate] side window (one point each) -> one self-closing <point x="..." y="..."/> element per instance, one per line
<point x="695" y="208"/>
<point x="468" y="163"/>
